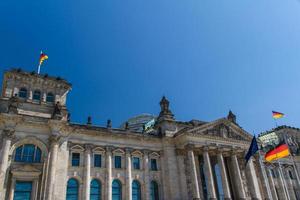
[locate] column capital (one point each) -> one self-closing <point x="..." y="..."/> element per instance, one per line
<point x="109" y="149"/>
<point x="128" y="150"/>
<point x="9" y="133"/>
<point x="190" y="147"/>
<point x="88" y="147"/>
<point x="146" y="152"/>
<point x="180" y="152"/>
<point x="54" y="139"/>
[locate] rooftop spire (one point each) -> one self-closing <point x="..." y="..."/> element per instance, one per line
<point x="165" y="112"/>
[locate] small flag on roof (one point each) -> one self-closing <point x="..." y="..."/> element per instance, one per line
<point x="277" y="115"/>
<point x="43" y="57"/>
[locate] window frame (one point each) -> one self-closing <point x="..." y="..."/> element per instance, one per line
<point x="136" y="166"/>
<point x="99" y="189"/>
<point x="24" y="92"/>
<point x="119" y="164"/>
<point x="34" y="93"/>
<point x="72" y="159"/>
<point x="94" y="160"/>
<point x="77" y="189"/>
<point x="152" y="168"/>
<point x="47" y="96"/>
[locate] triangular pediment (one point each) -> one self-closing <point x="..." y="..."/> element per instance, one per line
<point x="222" y="128"/>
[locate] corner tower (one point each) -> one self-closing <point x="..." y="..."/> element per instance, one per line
<point x="34" y="95"/>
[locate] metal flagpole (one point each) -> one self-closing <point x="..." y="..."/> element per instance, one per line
<point x="284" y="182"/>
<point x="263" y="169"/>
<point x="39" y="68"/>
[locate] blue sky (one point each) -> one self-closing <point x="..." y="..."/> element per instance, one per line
<point x="206" y="56"/>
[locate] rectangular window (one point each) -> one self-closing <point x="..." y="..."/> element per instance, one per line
<point x="136" y="163"/>
<point x="23" y="190"/>
<point x="97" y="160"/>
<point x="153" y="165"/>
<point x="75" y="159"/>
<point x="118" y="162"/>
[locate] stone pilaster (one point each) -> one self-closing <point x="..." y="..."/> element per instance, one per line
<point x="87" y="172"/>
<point x="12" y="189"/>
<point x="209" y="174"/>
<point x="252" y="179"/>
<point x="146" y="177"/>
<point x="193" y="171"/>
<point x="225" y="181"/>
<point x="54" y="145"/>
<point x="181" y="153"/>
<point x="237" y="176"/>
<point x="6" y="144"/>
<point x="128" y="175"/>
<point x="108" y="173"/>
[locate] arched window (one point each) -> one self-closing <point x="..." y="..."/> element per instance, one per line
<point x="116" y="190"/>
<point x="50" y="97"/>
<point x="72" y="189"/>
<point x="28" y="153"/>
<point x="136" y="190"/>
<point x="154" y="195"/>
<point x="23" y="93"/>
<point x="36" y="95"/>
<point x="95" y="193"/>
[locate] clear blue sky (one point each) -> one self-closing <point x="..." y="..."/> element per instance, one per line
<point x="206" y="56"/>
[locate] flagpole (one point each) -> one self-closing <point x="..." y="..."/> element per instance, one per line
<point x="283" y="180"/>
<point x="39" y="68"/>
<point x="263" y="169"/>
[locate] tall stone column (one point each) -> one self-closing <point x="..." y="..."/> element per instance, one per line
<point x="87" y="172"/>
<point x="6" y="144"/>
<point x="108" y="173"/>
<point x="128" y="175"/>
<point x="252" y="178"/>
<point x="238" y="177"/>
<point x="209" y="175"/>
<point x="272" y="185"/>
<point x="147" y="175"/>
<point x="193" y="172"/>
<point x="225" y="183"/>
<point x="54" y="145"/>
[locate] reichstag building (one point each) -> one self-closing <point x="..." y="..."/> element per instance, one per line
<point x="44" y="156"/>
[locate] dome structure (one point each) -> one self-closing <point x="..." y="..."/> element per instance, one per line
<point x="138" y="122"/>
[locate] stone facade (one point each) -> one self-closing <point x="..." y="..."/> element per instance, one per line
<point x="191" y="160"/>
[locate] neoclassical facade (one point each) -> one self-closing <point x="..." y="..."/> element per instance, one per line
<point x="44" y="156"/>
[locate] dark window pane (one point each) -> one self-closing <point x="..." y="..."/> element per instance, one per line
<point x="22" y="190"/>
<point x="118" y="162"/>
<point x="75" y="159"/>
<point x="136" y="190"/>
<point x="18" y="154"/>
<point x="153" y="165"/>
<point x="23" y="93"/>
<point x="116" y="190"/>
<point x="154" y="195"/>
<point x="36" y="95"/>
<point x="95" y="191"/>
<point x="50" y="97"/>
<point x="37" y="155"/>
<point x="72" y="189"/>
<point x="97" y="160"/>
<point x="28" y="153"/>
<point x="136" y="163"/>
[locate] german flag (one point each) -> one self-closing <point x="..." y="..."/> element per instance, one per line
<point x="277" y="115"/>
<point x="42" y="58"/>
<point x="281" y="151"/>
